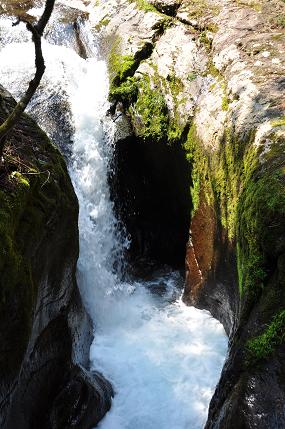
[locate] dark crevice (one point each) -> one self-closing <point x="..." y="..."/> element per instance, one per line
<point x="150" y="188"/>
<point x="167" y="8"/>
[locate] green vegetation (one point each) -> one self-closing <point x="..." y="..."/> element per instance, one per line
<point x="103" y="23"/>
<point x="32" y="187"/>
<point x="264" y="345"/>
<point x="279" y="122"/>
<point x="126" y="92"/>
<point x="152" y="111"/>
<point x="155" y="120"/>
<point x="146" y="6"/>
<point x="174" y="85"/>
<point x="253" y="4"/>
<point x="174" y="132"/>
<point x="192" y="76"/>
<point x="149" y="7"/>
<point x="212" y="27"/>
<point x="120" y="66"/>
<point x="277" y="37"/>
<point x="15" y="273"/>
<point x="225" y="103"/>
<point x="143" y="96"/>
<point x="280" y="21"/>
<point x="12" y="204"/>
<point x="20" y="178"/>
<point x="204" y="39"/>
<point x="261" y="213"/>
<point x="199" y="169"/>
<point x="248" y="196"/>
<point x="213" y="71"/>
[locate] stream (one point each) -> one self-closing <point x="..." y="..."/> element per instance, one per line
<point x="162" y="357"/>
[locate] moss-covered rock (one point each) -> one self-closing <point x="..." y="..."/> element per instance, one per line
<point x="44" y="330"/>
<point x="242" y="186"/>
<point x="35" y="190"/>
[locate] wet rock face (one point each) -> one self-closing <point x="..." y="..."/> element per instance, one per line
<point x="211" y="276"/>
<point x="65" y="29"/>
<point x="83" y="391"/>
<point x="249" y="403"/>
<point x="45" y="333"/>
<point x="150" y="186"/>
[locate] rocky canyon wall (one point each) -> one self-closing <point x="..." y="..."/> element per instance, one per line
<point x="207" y="77"/>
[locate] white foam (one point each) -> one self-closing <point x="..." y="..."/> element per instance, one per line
<point x="164" y="366"/>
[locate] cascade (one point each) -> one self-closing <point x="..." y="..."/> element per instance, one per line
<point x="162" y="357"/>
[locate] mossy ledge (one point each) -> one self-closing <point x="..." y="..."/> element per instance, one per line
<point x="143" y="98"/>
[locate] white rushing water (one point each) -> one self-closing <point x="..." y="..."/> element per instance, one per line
<point x="163" y="358"/>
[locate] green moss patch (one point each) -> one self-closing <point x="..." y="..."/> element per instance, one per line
<point x="151" y="117"/>
<point x="261" y="214"/>
<point x="127" y="92"/>
<point x="151" y="113"/>
<point x="264" y="345"/>
<point x="103" y="23"/>
<point x="146" y="6"/>
<point x="279" y="122"/>
<point x="120" y="66"/>
<point x="249" y="198"/>
<point x="199" y="162"/>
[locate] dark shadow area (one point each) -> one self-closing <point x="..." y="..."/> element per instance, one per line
<point x="150" y="186"/>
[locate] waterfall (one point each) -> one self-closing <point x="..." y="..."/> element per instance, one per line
<point x="163" y="358"/>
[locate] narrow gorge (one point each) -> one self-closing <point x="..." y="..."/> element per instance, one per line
<point x="142" y="216"/>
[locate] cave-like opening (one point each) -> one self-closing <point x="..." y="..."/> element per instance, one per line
<point x="150" y="186"/>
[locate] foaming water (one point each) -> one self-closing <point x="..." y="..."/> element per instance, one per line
<point x="163" y="358"/>
<point x="164" y="364"/>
